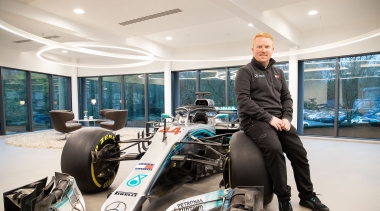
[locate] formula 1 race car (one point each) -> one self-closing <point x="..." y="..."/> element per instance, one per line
<point x="192" y="144"/>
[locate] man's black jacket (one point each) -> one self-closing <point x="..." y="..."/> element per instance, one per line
<point x="262" y="93"/>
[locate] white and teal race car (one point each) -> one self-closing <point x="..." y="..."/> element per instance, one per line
<point x="198" y="141"/>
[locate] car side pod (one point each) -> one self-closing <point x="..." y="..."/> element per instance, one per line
<point x="246" y="166"/>
<point x="236" y="199"/>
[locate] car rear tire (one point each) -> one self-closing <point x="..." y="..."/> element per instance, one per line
<point x="81" y="150"/>
<point x="248" y="166"/>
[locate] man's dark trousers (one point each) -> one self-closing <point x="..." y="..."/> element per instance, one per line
<point x="274" y="144"/>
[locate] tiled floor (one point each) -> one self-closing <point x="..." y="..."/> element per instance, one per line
<point x="345" y="173"/>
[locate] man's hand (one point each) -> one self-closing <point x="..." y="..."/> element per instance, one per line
<point x="276" y="123"/>
<point x="285" y="125"/>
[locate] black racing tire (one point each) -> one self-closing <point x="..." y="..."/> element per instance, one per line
<point x="77" y="158"/>
<point x="248" y="166"/>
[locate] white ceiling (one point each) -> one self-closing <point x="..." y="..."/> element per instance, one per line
<point x="201" y="22"/>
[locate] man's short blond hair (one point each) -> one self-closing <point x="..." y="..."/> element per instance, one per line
<point x="262" y="34"/>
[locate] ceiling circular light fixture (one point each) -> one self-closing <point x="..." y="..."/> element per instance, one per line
<point x="96" y="45"/>
<point x="250" y="25"/>
<point x="168" y="38"/>
<point x="313" y="12"/>
<point x="78" y="11"/>
<point x="54" y="44"/>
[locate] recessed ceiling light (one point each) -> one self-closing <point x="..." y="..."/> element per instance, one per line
<point x="78" y="11"/>
<point x="168" y="38"/>
<point x="250" y="25"/>
<point x="313" y="12"/>
<point x="64" y="51"/>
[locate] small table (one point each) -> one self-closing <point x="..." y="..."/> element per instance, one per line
<point x="87" y="121"/>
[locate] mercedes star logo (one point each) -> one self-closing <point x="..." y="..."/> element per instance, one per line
<point x="116" y="206"/>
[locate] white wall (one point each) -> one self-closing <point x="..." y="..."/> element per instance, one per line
<point x="150" y="68"/>
<point x="339" y="33"/>
<point x="217" y="51"/>
<point x="29" y="61"/>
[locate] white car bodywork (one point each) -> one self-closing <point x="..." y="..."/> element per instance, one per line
<point x="133" y="191"/>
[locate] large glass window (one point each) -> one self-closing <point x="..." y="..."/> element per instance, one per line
<point x="214" y="81"/>
<point x="134" y="100"/>
<point x="285" y="68"/>
<point x="111" y="92"/>
<point x="319" y="96"/>
<point x="187" y="87"/>
<point x="92" y="93"/>
<point x="359" y="97"/>
<point x="60" y="84"/>
<point x="15" y="101"/>
<point x="156" y="96"/>
<point x="40" y="101"/>
<point x="232" y="97"/>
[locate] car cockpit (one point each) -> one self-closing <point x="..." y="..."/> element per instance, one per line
<point x="203" y="111"/>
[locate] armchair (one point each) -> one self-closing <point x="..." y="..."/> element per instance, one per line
<point x="62" y="121"/>
<point x="116" y="120"/>
<point x="102" y="115"/>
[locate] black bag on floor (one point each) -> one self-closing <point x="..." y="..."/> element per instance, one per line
<point x="38" y="196"/>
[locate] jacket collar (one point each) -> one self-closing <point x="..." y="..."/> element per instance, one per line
<point x="260" y="66"/>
